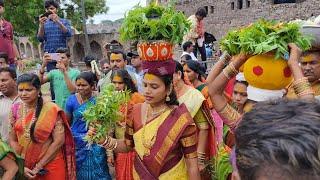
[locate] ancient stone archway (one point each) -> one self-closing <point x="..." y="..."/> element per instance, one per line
<point x="96" y="50"/>
<point x="78" y="52"/>
<point x="28" y="50"/>
<point x="22" y="49"/>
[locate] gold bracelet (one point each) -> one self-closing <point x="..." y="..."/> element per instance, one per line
<point x="112" y="144"/>
<point x="301" y="86"/>
<point x="106" y="141"/>
<point x="230" y="71"/>
<point x="307" y="92"/>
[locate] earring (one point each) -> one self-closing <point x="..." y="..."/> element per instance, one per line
<point x="168" y="98"/>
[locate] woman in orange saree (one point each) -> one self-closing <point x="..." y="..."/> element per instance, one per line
<point x="161" y="133"/>
<point x="124" y="161"/>
<point x="40" y="134"/>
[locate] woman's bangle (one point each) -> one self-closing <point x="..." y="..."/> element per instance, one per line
<point x="230" y="71"/>
<point x="302" y="87"/>
<point x="110" y="143"/>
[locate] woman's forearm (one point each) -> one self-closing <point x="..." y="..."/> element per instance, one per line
<point x="193" y="170"/>
<point x="51" y="153"/>
<point x="202" y="140"/>
<point x="122" y="147"/>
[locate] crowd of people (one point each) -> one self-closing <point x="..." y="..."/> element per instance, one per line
<point x="177" y="118"/>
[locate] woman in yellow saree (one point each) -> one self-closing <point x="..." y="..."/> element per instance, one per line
<point x="40" y="134"/>
<point x="161" y="133"/>
<point x="194" y="101"/>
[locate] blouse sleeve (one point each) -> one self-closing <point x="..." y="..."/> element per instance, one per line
<point x="59" y="128"/>
<point x="188" y="142"/>
<point x="201" y="120"/>
<point x="129" y="127"/>
<point x="231" y="117"/>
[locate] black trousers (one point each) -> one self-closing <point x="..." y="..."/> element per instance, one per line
<point x="51" y="66"/>
<point x="202" y="51"/>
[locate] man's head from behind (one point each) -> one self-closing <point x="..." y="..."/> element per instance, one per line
<point x="118" y="59"/>
<point x="310" y="64"/>
<point x="187" y="47"/>
<point x="279" y="140"/>
<point x="201" y="13"/>
<point x="52" y="6"/>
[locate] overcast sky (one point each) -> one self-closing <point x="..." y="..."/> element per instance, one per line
<point x="117" y="9"/>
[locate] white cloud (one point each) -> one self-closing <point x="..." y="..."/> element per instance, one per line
<point x="117" y="9"/>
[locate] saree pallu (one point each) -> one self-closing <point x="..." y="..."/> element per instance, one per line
<point x="173" y="142"/>
<point x="215" y="124"/>
<point x="91" y="160"/>
<point x="63" y="165"/>
<point x="124" y="161"/>
<point x="201" y="116"/>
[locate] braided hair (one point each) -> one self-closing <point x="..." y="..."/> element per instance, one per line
<point x="35" y="82"/>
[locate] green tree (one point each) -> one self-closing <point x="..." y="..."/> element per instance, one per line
<point x="23" y="14"/>
<point x="92" y="7"/>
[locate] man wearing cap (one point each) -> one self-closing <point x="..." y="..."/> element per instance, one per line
<point x="7" y="44"/>
<point x="310" y="65"/>
<point x="118" y="60"/>
<point x="137" y="68"/>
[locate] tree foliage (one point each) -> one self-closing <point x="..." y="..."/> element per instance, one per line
<point x="23" y="14"/>
<point x="92" y="7"/>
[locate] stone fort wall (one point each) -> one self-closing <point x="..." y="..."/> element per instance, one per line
<point x="226" y="14"/>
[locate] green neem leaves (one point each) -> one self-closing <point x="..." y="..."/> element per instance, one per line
<point x="154" y="23"/>
<point x="105" y="113"/>
<point x="265" y="36"/>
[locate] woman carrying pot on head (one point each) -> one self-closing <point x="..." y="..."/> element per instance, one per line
<point x="91" y="160"/>
<point x="124" y="161"/>
<point x="162" y="134"/>
<point x="238" y="100"/>
<point x="231" y="115"/>
<point x="40" y="134"/>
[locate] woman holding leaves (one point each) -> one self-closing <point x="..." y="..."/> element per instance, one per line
<point x="124" y="161"/>
<point x="91" y="161"/>
<point x="161" y="133"/>
<point x="40" y="134"/>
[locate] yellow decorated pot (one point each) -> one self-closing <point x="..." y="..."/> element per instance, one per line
<point x="265" y="72"/>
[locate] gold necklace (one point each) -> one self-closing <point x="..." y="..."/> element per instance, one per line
<point x="27" y="129"/>
<point x="148" y="144"/>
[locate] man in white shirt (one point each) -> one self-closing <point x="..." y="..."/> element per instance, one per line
<point x="8" y="96"/>
<point x="188" y="49"/>
<point x="137" y="65"/>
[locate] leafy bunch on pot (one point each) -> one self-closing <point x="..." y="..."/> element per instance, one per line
<point x="104" y="114"/>
<point x="154" y="22"/>
<point x="265" y="36"/>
